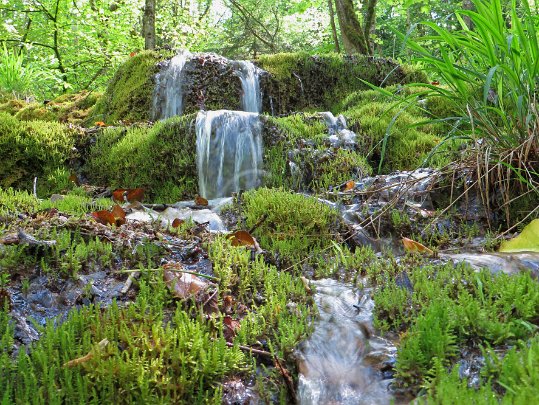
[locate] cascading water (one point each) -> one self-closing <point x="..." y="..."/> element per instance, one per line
<point x="229" y="152"/>
<point x="168" y="92"/>
<point x="334" y="367"/>
<point x="248" y="73"/>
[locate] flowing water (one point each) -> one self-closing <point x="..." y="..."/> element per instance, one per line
<point x="168" y="92"/>
<point x="251" y="100"/>
<point x="229" y="152"/>
<point x="337" y="364"/>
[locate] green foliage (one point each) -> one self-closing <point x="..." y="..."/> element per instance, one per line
<point x="489" y="75"/>
<point x="129" y="94"/>
<point x="17" y="76"/>
<point x="33" y="149"/>
<point x="160" y="159"/>
<point x="296" y="225"/>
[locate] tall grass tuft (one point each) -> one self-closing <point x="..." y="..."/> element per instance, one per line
<point x="16" y="76"/>
<point x="488" y="70"/>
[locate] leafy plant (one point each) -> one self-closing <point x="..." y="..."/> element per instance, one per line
<point x="16" y="76"/>
<point x="488" y="73"/>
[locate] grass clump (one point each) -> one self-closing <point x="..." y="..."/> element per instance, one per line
<point x="295" y="225"/>
<point x="160" y="159"/>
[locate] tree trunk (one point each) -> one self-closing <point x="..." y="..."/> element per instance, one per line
<point x="370" y="17"/>
<point x="333" y="27"/>
<point x="352" y="34"/>
<point x="148" y="24"/>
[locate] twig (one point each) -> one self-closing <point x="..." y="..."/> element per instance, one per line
<point x="129" y="281"/>
<point x="174" y="270"/>
<point x="287" y="378"/>
<point x="251" y="350"/>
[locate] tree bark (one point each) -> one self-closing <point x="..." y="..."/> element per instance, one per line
<point x="333" y="27"/>
<point x="353" y="37"/>
<point x="370" y="17"/>
<point x="148" y="24"/>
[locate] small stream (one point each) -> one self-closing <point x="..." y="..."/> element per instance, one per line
<point x="342" y="362"/>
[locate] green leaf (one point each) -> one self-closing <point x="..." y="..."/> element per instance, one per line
<point x="527" y="241"/>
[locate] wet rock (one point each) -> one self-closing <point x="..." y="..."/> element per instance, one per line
<point x="509" y="263"/>
<point x="237" y="392"/>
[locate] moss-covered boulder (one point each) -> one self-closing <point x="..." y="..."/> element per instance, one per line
<point x="30" y="149"/>
<point x="129" y="94"/>
<point x="293" y="82"/>
<point x="298" y="155"/>
<point x="299" y="81"/>
<point x="158" y="158"/>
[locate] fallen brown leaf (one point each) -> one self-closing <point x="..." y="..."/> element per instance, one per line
<point x="415" y="247"/>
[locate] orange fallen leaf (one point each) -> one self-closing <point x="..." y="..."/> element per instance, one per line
<point x="435" y="83"/>
<point x="119" y="215"/>
<point x="135" y="194"/>
<point x="231" y="326"/>
<point x="177" y="222"/>
<point x="132" y="54"/>
<point x="74" y="179"/>
<point x="415" y="247"/>
<point x="242" y="238"/>
<point x="182" y="285"/>
<point x="119" y="194"/>
<point x="100" y="124"/>
<point x="201" y="201"/>
<point x="349" y="185"/>
<point x="104" y="217"/>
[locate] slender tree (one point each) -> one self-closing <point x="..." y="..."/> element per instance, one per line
<point x="333" y="26"/>
<point x="355" y="38"/>
<point x="148" y="24"/>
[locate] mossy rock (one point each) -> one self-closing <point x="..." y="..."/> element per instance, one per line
<point x="300" y="81"/>
<point x="129" y="94"/>
<point x="297" y="155"/>
<point x="158" y="158"/>
<point x="31" y="149"/>
<point x="73" y="108"/>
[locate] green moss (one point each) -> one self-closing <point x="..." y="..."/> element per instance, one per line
<point x="295" y="225"/>
<point x="31" y="149"/>
<point x="407" y="144"/>
<point x="12" y="106"/>
<point x="299" y="81"/>
<point x="160" y="159"/>
<point x="301" y="139"/>
<point x="129" y="94"/>
<point x="449" y="307"/>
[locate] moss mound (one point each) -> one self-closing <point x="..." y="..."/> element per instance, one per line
<point x="391" y="137"/>
<point x="295" y="226"/>
<point x="299" y="81"/>
<point x="161" y="159"/>
<point x="31" y="149"/>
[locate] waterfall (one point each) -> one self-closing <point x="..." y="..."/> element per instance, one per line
<point x="229" y="152"/>
<point x="251" y="100"/>
<point x="168" y="97"/>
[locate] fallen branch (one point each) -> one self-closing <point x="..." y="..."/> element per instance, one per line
<point x="75" y="362"/>
<point x="129" y="282"/>
<point x="211" y="278"/>
<point x="22" y="238"/>
<point x="251" y="350"/>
